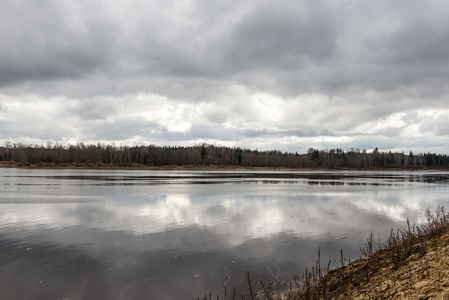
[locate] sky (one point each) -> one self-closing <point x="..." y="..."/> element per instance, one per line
<point x="259" y="74"/>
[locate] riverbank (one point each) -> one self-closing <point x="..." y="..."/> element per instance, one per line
<point x="423" y="275"/>
<point x="135" y="166"/>
<point x="123" y="166"/>
<point x="413" y="265"/>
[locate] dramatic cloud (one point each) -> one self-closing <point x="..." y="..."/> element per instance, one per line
<point x="261" y="74"/>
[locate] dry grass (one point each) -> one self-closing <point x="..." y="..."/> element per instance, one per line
<point x="325" y="283"/>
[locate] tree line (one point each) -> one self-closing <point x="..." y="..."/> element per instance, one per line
<point x="207" y="155"/>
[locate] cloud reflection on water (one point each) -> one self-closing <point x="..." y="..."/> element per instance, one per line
<point x="193" y="236"/>
<point x="237" y="210"/>
<point x="233" y="218"/>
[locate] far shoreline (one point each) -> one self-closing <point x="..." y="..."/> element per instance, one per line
<point x="134" y="166"/>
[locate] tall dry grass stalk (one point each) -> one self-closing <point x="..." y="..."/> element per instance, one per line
<point x="328" y="283"/>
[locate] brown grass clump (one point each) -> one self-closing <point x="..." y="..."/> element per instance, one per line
<point x="413" y="264"/>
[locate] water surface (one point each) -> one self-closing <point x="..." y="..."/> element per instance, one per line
<point x="130" y="234"/>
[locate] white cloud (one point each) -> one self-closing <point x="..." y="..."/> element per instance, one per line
<point x="254" y="73"/>
<point x="391" y="122"/>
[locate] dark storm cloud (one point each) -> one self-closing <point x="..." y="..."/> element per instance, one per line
<point x="393" y="44"/>
<point x="52" y="39"/>
<point x="421" y="36"/>
<point x="297" y="45"/>
<point x="283" y="37"/>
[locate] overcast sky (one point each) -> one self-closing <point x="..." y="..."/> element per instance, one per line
<point x="285" y="75"/>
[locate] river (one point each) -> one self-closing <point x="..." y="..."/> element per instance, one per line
<point x="153" y="234"/>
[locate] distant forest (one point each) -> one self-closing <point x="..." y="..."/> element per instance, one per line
<point x="102" y="155"/>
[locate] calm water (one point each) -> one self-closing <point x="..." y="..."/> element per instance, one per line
<point x="101" y="234"/>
